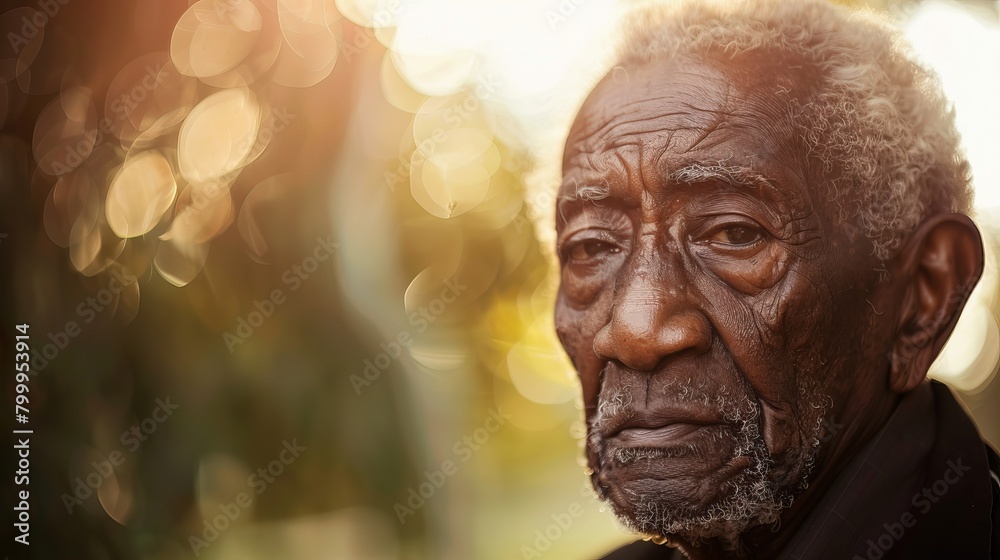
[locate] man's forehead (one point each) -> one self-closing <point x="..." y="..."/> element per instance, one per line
<point x="636" y="100"/>
<point x="681" y="121"/>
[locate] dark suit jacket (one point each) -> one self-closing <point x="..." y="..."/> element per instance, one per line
<point x="926" y="486"/>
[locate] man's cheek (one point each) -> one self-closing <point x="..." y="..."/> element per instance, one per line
<point x="576" y="330"/>
<point x="567" y="323"/>
<point x="806" y="327"/>
<point x="790" y="318"/>
<point x="798" y="315"/>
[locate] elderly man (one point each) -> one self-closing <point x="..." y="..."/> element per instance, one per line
<point x="764" y="244"/>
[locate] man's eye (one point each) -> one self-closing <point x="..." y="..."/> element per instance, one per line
<point x="739" y="236"/>
<point x="590" y="249"/>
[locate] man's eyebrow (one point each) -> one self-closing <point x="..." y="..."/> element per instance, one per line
<point x="732" y="175"/>
<point x="573" y="198"/>
<point x="689" y="174"/>
<point x="586" y="192"/>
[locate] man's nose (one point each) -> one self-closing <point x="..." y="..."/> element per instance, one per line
<point x="652" y="319"/>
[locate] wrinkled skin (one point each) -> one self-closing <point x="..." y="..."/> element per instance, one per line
<point x="732" y="342"/>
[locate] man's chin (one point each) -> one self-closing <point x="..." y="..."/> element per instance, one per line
<point x="696" y="496"/>
<point x="687" y="486"/>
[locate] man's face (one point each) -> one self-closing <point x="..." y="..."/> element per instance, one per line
<point x="713" y="315"/>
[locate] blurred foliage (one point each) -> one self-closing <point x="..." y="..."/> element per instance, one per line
<point x="294" y="302"/>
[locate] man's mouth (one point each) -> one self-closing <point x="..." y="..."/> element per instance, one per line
<point x="654" y="437"/>
<point x="658" y="429"/>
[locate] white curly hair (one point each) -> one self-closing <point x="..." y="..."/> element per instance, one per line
<point x="878" y="129"/>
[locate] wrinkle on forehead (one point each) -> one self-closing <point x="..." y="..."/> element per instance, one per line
<point x="681" y="122"/>
<point x="660" y="101"/>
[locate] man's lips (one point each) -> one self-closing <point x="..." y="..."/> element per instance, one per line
<point x="654" y="437"/>
<point x="658" y="429"/>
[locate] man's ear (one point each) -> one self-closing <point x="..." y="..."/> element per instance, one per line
<point x="938" y="266"/>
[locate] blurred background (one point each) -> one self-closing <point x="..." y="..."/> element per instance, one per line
<point x="287" y="270"/>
